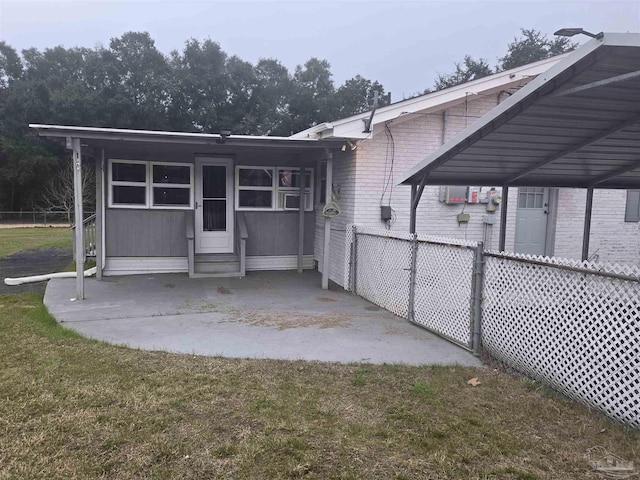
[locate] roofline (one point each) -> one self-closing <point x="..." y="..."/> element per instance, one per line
<point x="99" y="133"/>
<point x="463" y="139"/>
<point x="433" y="99"/>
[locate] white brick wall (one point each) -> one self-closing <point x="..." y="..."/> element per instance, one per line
<point x="415" y="137"/>
<point x="612" y="239"/>
<point x="363" y="175"/>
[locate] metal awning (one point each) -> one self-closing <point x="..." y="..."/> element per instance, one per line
<point x="576" y="125"/>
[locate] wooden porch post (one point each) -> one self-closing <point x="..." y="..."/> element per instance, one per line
<point x="78" y="217"/>
<point x="327" y="224"/>
<point x="301" y="219"/>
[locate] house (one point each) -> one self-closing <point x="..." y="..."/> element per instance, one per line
<point x="206" y="204"/>
<point x="540" y="220"/>
<point x="221" y="204"/>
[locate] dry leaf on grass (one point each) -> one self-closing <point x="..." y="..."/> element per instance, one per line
<point x="474" y="382"/>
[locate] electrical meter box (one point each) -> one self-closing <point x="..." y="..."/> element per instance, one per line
<point x="452" y="195"/>
<point x="473" y="195"/>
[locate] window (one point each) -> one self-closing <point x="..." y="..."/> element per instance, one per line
<point x="171" y="185"/>
<point x="255" y="188"/>
<point x="272" y="188"/>
<point x="632" y="212"/>
<point x="128" y="184"/>
<point x="289" y="188"/>
<point x="135" y="184"/>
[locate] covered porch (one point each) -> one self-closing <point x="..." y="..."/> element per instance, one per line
<point x="210" y="205"/>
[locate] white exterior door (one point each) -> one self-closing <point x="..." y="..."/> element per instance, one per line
<point x="531" y="220"/>
<point x="214" y="205"/>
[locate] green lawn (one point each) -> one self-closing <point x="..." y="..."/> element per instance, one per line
<point x="14" y="240"/>
<point x="74" y="408"/>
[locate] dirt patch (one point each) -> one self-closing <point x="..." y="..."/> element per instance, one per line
<point x="372" y="308"/>
<point x="326" y="299"/>
<point x="283" y="320"/>
<point x="32" y="262"/>
<point x="224" y="291"/>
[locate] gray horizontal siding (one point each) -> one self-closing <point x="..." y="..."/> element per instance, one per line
<point x="145" y="233"/>
<point x="276" y="233"/>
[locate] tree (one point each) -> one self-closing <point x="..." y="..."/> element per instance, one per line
<point x="357" y="95"/>
<point x="466" y="71"/>
<point x="272" y="96"/>
<point x="59" y="191"/>
<point x="533" y="46"/>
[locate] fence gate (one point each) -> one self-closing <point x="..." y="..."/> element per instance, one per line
<point x="437" y="293"/>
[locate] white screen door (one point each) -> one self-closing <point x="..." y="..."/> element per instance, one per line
<point x="214" y="205"/>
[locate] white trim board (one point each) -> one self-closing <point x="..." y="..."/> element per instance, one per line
<point x="279" y="262"/>
<point x="141" y="265"/>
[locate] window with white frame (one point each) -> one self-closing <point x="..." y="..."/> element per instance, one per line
<point x="128" y="184"/>
<point x="272" y="188"/>
<point x="255" y="188"/>
<point x="171" y="185"/>
<point x="160" y="185"/>
<point x="289" y="188"/>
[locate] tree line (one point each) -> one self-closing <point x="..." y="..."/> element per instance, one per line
<point x="131" y="84"/>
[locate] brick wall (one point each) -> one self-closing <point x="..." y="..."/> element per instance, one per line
<point x="414" y="138"/>
<point x="612" y="239"/>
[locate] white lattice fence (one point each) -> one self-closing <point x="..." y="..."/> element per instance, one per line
<point x="382" y="270"/>
<point x="570" y="325"/>
<point x="443" y="292"/>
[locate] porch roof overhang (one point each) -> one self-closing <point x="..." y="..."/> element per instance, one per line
<point x="576" y="125"/>
<point x="101" y="137"/>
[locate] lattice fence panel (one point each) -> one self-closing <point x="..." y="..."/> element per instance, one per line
<point x="443" y="296"/>
<point x="382" y="271"/>
<point x="577" y="332"/>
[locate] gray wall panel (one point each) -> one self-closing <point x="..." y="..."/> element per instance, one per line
<point x="145" y="233"/>
<point x="276" y="233"/>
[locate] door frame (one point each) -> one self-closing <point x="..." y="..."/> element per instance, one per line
<point x="227" y="162"/>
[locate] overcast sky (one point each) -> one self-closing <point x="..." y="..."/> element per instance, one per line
<point x="402" y="44"/>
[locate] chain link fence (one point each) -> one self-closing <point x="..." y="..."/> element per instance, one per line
<point x="34" y="218"/>
<point x="572" y="325"/>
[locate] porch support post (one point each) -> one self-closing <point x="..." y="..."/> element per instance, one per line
<point x="587" y="224"/>
<point x="327" y="224"/>
<point x="99" y="219"/>
<point x="78" y="217"/>
<point x="503" y="218"/>
<point x="301" y="219"/>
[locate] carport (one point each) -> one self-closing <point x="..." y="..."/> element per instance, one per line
<point x="577" y="125"/>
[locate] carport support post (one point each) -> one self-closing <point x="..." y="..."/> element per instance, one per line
<point x="478" y="280"/>
<point x="77" y="208"/>
<point x="587" y="224"/>
<point x="327" y="224"/>
<point x="503" y="218"/>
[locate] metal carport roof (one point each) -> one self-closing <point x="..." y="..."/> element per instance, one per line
<point x="576" y="125"/>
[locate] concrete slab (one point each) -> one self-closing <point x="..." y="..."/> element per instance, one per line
<point x="281" y="315"/>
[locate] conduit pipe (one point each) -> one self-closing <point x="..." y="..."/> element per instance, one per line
<point x="48" y="276"/>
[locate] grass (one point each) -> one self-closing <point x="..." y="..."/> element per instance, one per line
<point x="13" y="240"/>
<point x="75" y="408"/>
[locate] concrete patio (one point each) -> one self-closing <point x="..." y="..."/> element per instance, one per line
<point x="280" y="315"/>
